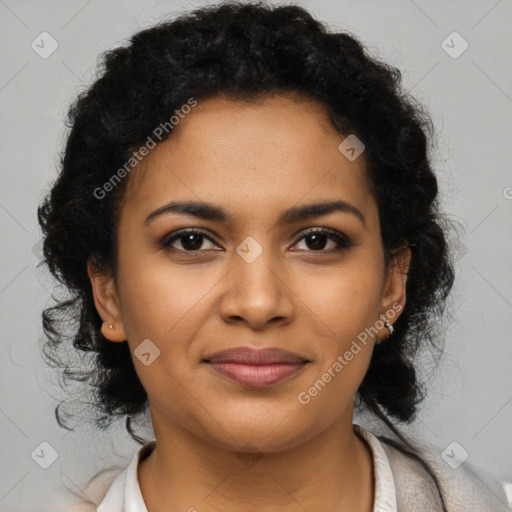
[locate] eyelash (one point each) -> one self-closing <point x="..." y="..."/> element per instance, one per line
<point x="342" y="241"/>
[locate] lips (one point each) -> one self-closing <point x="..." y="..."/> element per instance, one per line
<point x="256" y="367"/>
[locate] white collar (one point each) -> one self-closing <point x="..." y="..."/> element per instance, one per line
<point x="385" y="490"/>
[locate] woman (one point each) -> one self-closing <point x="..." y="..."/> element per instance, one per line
<point x="247" y="217"/>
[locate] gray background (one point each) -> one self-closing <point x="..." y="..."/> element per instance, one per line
<point x="470" y="99"/>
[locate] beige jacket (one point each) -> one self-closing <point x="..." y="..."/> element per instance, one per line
<point x="466" y="489"/>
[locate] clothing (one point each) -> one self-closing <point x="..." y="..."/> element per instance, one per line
<point x="401" y="484"/>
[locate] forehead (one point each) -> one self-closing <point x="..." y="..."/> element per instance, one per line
<point x="251" y="156"/>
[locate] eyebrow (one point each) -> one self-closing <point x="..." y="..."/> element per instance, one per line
<point x="208" y="211"/>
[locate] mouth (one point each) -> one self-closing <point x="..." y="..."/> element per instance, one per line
<point x="256" y="368"/>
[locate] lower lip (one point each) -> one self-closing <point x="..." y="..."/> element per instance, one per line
<point x="257" y="376"/>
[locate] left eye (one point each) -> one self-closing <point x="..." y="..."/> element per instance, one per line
<point x="192" y="240"/>
<point x="317" y="240"/>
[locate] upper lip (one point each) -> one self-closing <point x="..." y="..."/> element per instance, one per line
<point x="261" y="356"/>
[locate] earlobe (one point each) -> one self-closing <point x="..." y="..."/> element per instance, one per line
<point x="107" y="303"/>
<point x="113" y="333"/>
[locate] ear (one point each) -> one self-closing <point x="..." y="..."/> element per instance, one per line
<point x="393" y="294"/>
<point x="106" y="301"/>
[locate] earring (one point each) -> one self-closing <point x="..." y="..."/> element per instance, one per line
<point x="389" y="328"/>
<point x="110" y="326"/>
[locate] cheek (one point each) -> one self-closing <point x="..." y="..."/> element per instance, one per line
<point x="157" y="296"/>
<point x="345" y="304"/>
<point x="345" y="299"/>
<point x="161" y="303"/>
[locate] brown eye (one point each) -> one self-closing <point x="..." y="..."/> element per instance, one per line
<point x="317" y="239"/>
<point x="191" y="240"/>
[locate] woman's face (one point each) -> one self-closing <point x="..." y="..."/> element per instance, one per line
<point x="252" y="279"/>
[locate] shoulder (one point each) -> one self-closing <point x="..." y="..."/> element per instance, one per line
<point x="465" y="487"/>
<point x="106" y="490"/>
<point x="85" y="498"/>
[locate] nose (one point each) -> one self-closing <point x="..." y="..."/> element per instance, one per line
<point x="256" y="293"/>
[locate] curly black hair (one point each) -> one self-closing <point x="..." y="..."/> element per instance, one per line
<point x="244" y="51"/>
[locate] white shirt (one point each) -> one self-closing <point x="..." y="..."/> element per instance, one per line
<point x="401" y="485"/>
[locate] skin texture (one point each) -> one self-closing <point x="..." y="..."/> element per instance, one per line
<point x="221" y="445"/>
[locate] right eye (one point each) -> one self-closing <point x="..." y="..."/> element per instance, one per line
<point x="191" y="239"/>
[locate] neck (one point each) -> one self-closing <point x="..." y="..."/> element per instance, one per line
<point x="331" y="471"/>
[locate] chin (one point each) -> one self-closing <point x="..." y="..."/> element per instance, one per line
<point x="258" y="434"/>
